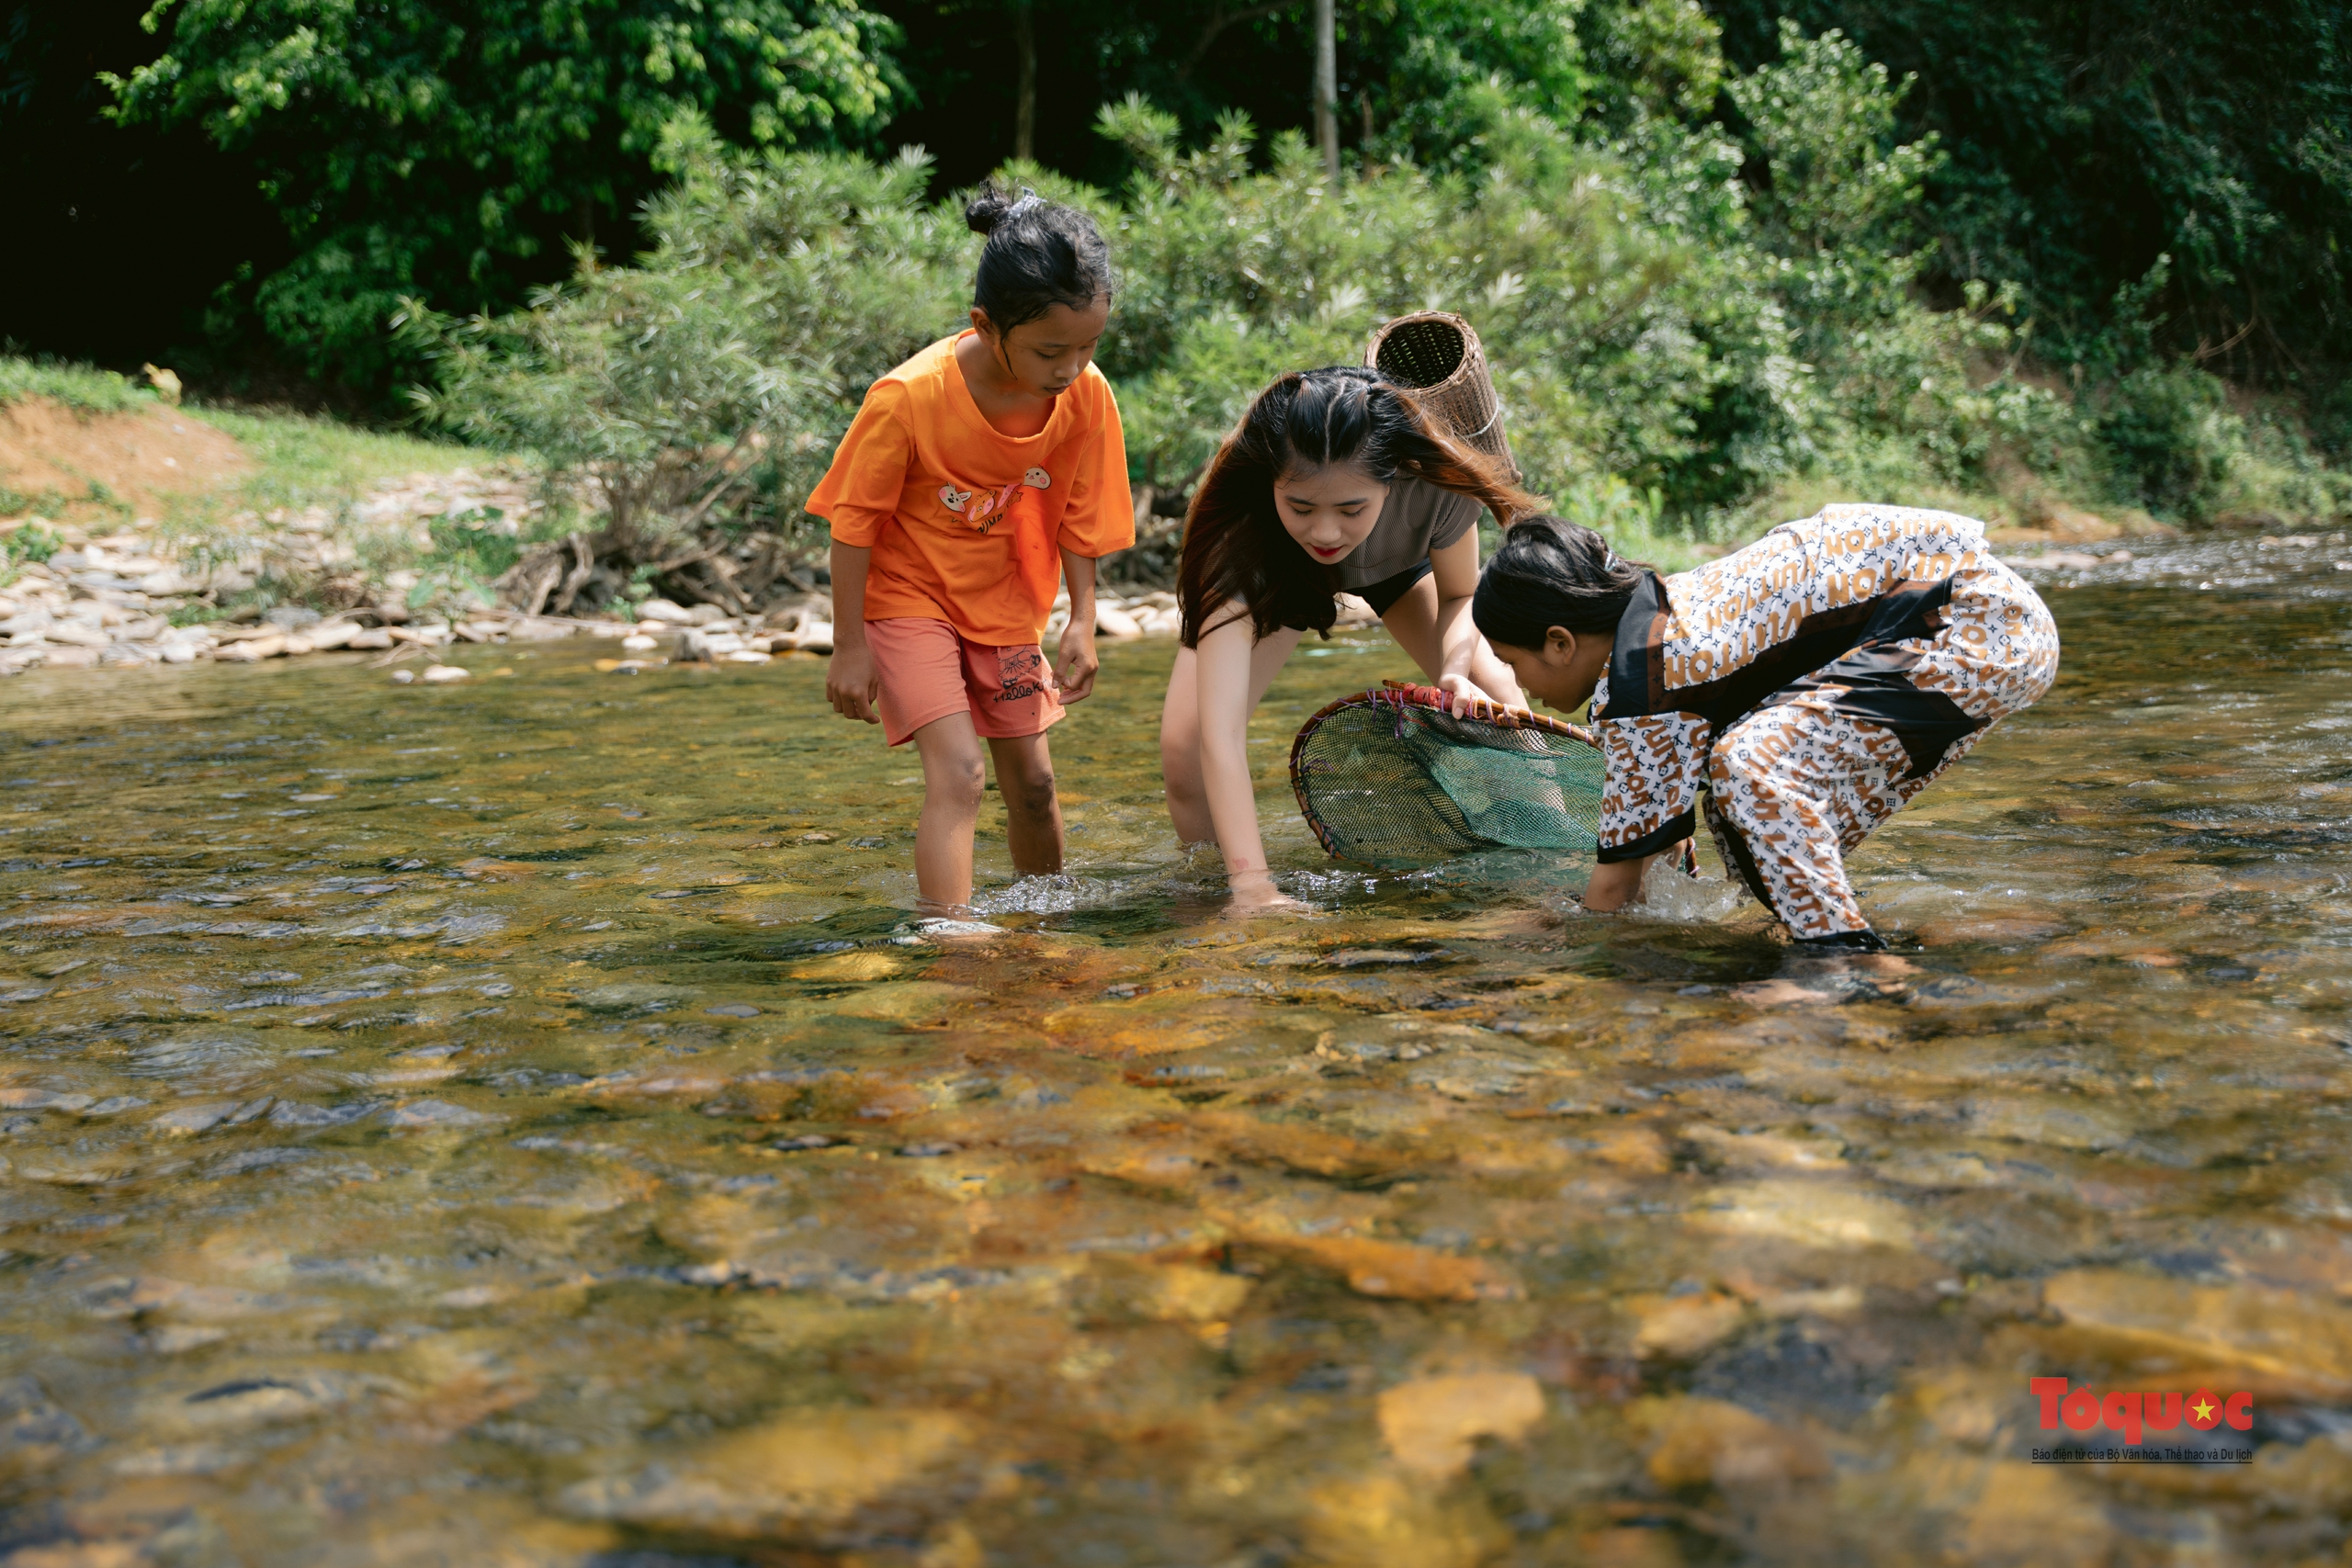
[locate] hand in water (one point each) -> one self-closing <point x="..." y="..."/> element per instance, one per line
<point x="1254" y="894"/>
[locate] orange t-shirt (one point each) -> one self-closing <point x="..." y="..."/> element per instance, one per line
<point x="967" y="524"/>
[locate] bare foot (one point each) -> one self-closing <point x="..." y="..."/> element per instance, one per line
<point x="938" y="928"/>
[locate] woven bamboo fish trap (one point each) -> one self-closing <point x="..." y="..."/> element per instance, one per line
<point x="1436" y="354"/>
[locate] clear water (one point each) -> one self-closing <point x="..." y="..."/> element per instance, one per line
<point x="496" y="1124"/>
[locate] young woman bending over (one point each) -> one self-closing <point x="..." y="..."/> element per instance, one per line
<point x="1336" y="480"/>
<point x="1805" y="688"/>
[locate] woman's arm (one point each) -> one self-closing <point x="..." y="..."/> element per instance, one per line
<point x="850" y="684"/>
<point x="1455" y="569"/>
<point x="1468" y="669"/>
<point x="1222" y="667"/>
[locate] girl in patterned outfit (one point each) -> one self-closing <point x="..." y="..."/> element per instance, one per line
<point x="1802" y="689"/>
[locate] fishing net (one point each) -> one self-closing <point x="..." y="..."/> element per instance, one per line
<point x="1439" y="356"/>
<point x="1390" y="775"/>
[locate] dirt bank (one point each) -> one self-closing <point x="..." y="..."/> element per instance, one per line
<point x="60" y="461"/>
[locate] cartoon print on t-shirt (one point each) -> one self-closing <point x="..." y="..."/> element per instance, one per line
<point x="985" y="510"/>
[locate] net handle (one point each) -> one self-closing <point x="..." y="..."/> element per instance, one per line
<point x="1412" y="694"/>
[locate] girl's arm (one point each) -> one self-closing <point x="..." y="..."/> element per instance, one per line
<point x="850" y="684"/>
<point x="1076" y="663"/>
<point x="1222" y="666"/>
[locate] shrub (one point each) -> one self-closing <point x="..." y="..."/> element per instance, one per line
<point x="1675" y="350"/>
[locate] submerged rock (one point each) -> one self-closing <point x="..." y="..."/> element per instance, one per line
<point x="436" y="1115"/>
<point x="2284" y="1335"/>
<point x="1710" y="1443"/>
<point x="1682" y="1326"/>
<point x="810" y="1476"/>
<point x="1816" y="1213"/>
<point x="1395" y="1520"/>
<point x="1429" y="1424"/>
<point x="632" y="996"/>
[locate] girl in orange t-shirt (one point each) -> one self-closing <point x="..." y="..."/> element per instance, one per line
<point x="977" y="476"/>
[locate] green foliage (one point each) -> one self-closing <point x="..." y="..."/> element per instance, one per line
<point x="29" y="543"/>
<point x="2081" y="142"/>
<point x="1676" y="345"/>
<point x="472" y="541"/>
<point x="1606" y="334"/>
<point x="78" y="386"/>
<point x="713" y="380"/>
<point x="445" y="148"/>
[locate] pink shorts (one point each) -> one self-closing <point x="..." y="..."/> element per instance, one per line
<point x="928" y="671"/>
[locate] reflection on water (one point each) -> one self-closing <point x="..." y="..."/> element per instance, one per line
<point x="508" y="1125"/>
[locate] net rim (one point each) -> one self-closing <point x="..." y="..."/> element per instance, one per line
<point x="1402" y="696"/>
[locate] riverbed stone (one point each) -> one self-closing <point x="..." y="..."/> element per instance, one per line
<point x="635" y="995"/>
<point x="852" y="966"/>
<point x="810" y="1476"/>
<point x="905" y="999"/>
<point x="1681" y="1326"/>
<point x="2031" y="1515"/>
<point x="436" y="1116"/>
<point x="1400" y="1272"/>
<point x="1814" y="1213"/>
<point x="1430" y="1424"/>
<point x="21" y="1096"/>
<point x="1712" y="1442"/>
<point x="1383" y="1519"/>
<point x="253" y="649"/>
<point x="2291" y="1336"/>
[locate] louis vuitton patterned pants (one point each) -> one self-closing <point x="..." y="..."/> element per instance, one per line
<point x="1795" y="786"/>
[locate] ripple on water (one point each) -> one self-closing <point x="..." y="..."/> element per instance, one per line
<point x="1450" y="1225"/>
<point x="197" y="1063"/>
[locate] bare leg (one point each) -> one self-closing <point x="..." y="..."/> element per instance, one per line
<point x="1180" y="732"/>
<point x="953" y="778"/>
<point x="1033" y="813"/>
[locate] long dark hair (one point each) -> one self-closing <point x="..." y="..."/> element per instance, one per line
<point x="1235" y="549"/>
<point x="1039" y="255"/>
<point x="1552" y="573"/>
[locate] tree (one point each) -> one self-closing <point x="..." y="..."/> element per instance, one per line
<point x="2085" y="140"/>
<point x="450" y="149"/>
<point x="1326" y="87"/>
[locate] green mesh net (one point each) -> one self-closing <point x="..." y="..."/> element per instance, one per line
<point x="1390" y="776"/>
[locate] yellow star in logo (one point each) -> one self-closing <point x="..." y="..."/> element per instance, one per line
<point x="2204" y="1409"/>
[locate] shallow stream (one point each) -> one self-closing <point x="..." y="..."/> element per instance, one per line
<point x="503" y="1122"/>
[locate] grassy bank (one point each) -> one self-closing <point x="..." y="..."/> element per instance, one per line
<point x="270" y="506"/>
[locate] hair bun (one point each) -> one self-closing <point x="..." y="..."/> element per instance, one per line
<point x="985" y="211"/>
